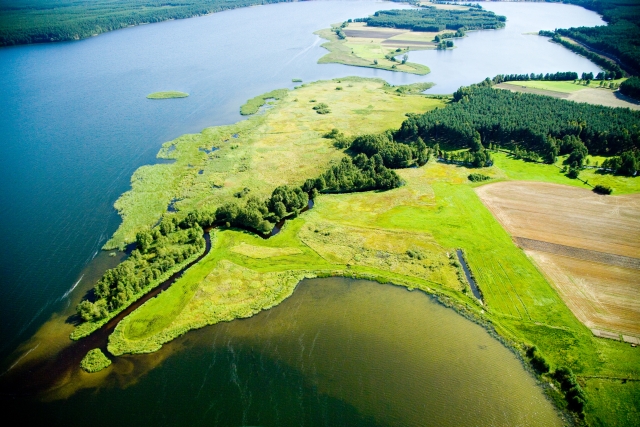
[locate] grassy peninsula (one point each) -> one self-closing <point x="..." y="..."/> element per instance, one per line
<point x="406" y="235"/>
<point x="167" y="95"/>
<point x="384" y="39"/>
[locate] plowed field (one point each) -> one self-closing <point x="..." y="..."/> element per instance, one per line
<point x="603" y="295"/>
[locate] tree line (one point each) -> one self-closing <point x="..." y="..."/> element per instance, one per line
<point x="430" y="19"/>
<point x="559" y="76"/>
<point x="620" y="38"/>
<point x="158" y="250"/>
<point x="612" y="68"/>
<point x="43" y="21"/>
<point x="546" y="126"/>
<point x="631" y="87"/>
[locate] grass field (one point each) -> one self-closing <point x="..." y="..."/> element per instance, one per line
<point x="368" y="235"/>
<point x="282" y="146"/>
<point x="167" y="95"/>
<point x="562" y="86"/>
<point x="406" y="236"/>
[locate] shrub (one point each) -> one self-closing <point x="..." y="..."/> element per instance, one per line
<point x="95" y="361"/>
<point x="478" y="177"/>
<point x="602" y="189"/>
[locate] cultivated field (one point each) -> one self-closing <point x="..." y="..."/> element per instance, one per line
<point x="586" y="244"/>
<point x="576" y="92"/>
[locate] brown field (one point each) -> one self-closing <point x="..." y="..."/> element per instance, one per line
<point x="587" y="245"/>
<point x="604" y="97"/>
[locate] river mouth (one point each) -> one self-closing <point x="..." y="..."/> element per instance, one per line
<point x="337" y="352"/>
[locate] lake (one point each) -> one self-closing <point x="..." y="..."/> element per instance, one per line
<point x="339" y="352"/>
<point x="75" y="123"/>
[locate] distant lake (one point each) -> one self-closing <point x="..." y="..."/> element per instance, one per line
<point x="75" y="122"/>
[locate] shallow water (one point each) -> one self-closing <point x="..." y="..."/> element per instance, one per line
<point x="338" y="352"/>
<point x="75" y="123"/>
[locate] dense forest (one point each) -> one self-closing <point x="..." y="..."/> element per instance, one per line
<point x="620" y="38"/>
<point x="631" y="87"/>
<point x="41" y="21"/>
<point x="542" y="125"/>
<point x="434" y="20"/>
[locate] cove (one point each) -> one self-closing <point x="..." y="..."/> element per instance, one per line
<point x="338" y="352"/>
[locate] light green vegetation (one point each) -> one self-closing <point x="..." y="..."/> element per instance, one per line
<point x="406" y="236"/>
<point x="167" y="95"/>
<point x="282" y="146"/>
<point x="95" y="361"/>
<point x="363" y="54"/>
<point x="87" y="328"/>
<point x="253" y="105"/>
<point x="506" y="167"/>
<point x="562" y="86"/>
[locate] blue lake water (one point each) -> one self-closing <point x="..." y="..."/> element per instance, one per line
<point x="75" y="123"/>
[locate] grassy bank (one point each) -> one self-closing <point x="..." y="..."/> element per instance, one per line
<point x="167" y="95"/>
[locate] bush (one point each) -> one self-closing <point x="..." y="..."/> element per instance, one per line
<point x="602" y="189"/>
<point x="478" y="177"/>
<point x="322" y="108"/>
<point x="95" y="361"/>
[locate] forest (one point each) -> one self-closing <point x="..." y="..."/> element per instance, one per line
<point x="620" y="38"/>
<point x="42" y="21"/>
<point x="631" y="87"/>
<point x="431" y="19"/>
<point x="613" y="70"/>
<point x="546" y="126"/>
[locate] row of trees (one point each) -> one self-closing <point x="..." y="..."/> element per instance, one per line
<point x="431" y="19"/>
<point x="612" y="68"/>
<point x="394" y="154"/>
<point x="480" y="115"/>
<point x="157" y="252"/>
<point x="628" y="163"/>
<point x="559" y="76"/>
<point x="42" y="21"/>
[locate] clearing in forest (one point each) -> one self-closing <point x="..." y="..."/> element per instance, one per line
<point x="580" y="240"/>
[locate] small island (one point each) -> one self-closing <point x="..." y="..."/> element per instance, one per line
<point x="167" y="95"/>
<point x="95" y="361"/>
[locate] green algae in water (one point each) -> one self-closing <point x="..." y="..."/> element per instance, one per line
<point x="167" y="95"/>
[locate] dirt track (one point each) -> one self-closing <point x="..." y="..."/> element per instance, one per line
<point x="587" y="245"/>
